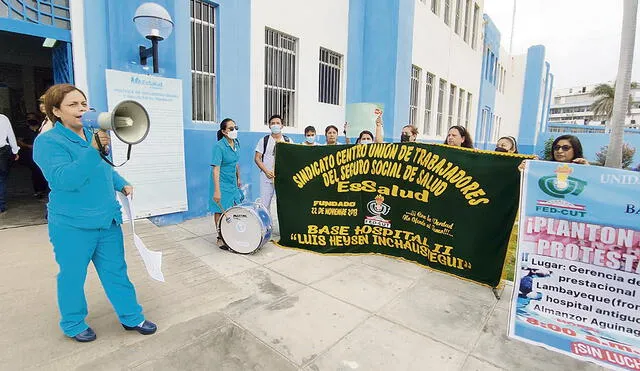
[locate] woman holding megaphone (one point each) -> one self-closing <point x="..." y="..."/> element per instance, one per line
<point x="84" y="216"/>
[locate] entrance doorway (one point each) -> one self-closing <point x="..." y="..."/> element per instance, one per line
<point x="26" y="71"/>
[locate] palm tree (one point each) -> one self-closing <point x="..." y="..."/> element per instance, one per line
<point x="620" y="103"/>
<point x="602" y="108"/>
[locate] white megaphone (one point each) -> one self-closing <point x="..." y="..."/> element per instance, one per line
<point x="129" y="121"/>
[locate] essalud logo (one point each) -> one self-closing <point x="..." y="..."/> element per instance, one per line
<point x="561" y="184"/>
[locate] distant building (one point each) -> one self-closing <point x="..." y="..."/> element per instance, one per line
<point x="573" y="106"/>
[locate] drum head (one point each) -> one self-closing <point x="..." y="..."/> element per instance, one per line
<point x="241" y="230"/>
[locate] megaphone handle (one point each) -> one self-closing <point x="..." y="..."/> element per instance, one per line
<point x="104" y="157"/>
<point x="103" y="150"/>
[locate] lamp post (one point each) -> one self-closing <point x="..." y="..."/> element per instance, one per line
<point x="154" y="23"/>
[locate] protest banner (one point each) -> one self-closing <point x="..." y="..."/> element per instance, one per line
<point x="362" y="116"/>
<point x="446" y="208"/>
<point x="577" y="286"/>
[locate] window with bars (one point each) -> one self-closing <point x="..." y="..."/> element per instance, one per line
<point x="447" y="12"/>
<point x="467" y="115"/>
<point x="280" y="76"/>
<point x="47" y="12"/>
<point x="428" y="101"/>
<point x="474" y="30"/>
<point x="452" y="103"/>
<point x="203" y="62"/>
<point x="442" y="88"/>
<point x="413" y="97"/>
<point x="435" y="7"/>
<point x="461" y="96"/>
<point x="458" y="16"/>
<point x="496" y="128"/>
<point x="329" y="77"/>
<point x="467" y="20"/>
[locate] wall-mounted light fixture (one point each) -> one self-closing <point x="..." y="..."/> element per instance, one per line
<point x="154" y="23"/>
<point x="49" y="43"/>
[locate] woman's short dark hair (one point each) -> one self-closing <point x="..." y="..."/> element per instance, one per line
<point x="412" y="128"/>
<point x="326" y="130"/>
<point x="468" y="142"/>
<point x="363" y="132"/>
<point x="276" y="116"/>
<point x="513" y="141"/>
<point x="575" y="143"/>
<point x="223" y="126"/>
<point x="309" y="129"/>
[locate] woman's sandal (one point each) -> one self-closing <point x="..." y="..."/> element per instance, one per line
<point x="221" y="244"/>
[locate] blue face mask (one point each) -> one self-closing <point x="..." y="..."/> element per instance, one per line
<point x="311" y="138"/>
<point x="276" y="129"/>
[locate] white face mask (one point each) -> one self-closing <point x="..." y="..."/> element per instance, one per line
<point x="233" y="134"/>
<point x="311" y="139"/>
<point x="366" y="141"/>
<point x="276" y="129"/>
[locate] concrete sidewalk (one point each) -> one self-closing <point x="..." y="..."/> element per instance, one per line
<point x="279" y="309"/>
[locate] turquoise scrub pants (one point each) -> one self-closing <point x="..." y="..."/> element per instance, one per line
<point x="74" y="248"/>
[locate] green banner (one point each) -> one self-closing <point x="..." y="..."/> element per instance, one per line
<point x="445" y="208"/>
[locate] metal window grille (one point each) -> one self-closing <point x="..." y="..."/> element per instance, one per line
<point x="467" y="20"/>
<point x="452" y="103"/>
<point x="47" y="12"/>
<point x="428" y="101"/>
<point x="461" y="95"/>
<point x="468" y="113"/>
<point x="435" y="6"/>
<point x="474" y="30"/>
<point x="458" y="15"/>
<point x="413" y="97"/>
<point x="447" y="12"/>
<point x="203" y="62"/>
<point x="329" y="77"/>
<point x="280" y="76"/>
<point x="441" y="97"/>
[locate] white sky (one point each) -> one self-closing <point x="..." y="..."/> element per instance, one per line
<point x="582" y="37"/>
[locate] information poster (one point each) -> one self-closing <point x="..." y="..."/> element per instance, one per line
<point x="577" y="286"/>
<point x="156" y="168"/>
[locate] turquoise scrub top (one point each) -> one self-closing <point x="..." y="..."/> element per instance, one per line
<point x="82" y="184"/>
<point x="227" y="159"/>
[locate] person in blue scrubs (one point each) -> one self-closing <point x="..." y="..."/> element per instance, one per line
<point x="226" y="173"/>
<point x="84" y="216"/>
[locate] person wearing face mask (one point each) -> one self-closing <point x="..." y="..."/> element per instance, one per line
<point x="225" y="184"/>
<point x="365" y="137"/>
<point x="25" y="139"/>
<point x="409" y="134"/>
<point x="310" y="136"/>
<point x="265" y="158"/>
<point x="507" y="144"/>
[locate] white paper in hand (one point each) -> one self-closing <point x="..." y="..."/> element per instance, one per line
<point x="152" y="259"/>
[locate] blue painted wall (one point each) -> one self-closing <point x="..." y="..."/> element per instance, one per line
<point x="379" y="57"/>
<point x="117" y="31"/>
<point x="533" y="96"/>
<point x="487" y="94"/>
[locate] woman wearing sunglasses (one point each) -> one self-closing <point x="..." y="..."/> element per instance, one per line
<point x="567" y="148"/>
<point x="226" y="173"/>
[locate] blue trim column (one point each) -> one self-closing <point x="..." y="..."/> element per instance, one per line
<point x="532" y="98"/>
<point x="379" y="57"/>
<point x="487" y="94"/>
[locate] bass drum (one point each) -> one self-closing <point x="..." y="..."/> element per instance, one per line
<point x="245" y="228"/>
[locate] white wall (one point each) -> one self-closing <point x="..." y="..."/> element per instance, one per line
<point x="509" y="103"/>
<point x="315" y="24"/>
<point x="437" y="49"/>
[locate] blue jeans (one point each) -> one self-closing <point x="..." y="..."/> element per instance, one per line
<point x="74" y="248"/>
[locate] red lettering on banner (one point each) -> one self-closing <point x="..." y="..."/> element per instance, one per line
<point x="606" y="355"/>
